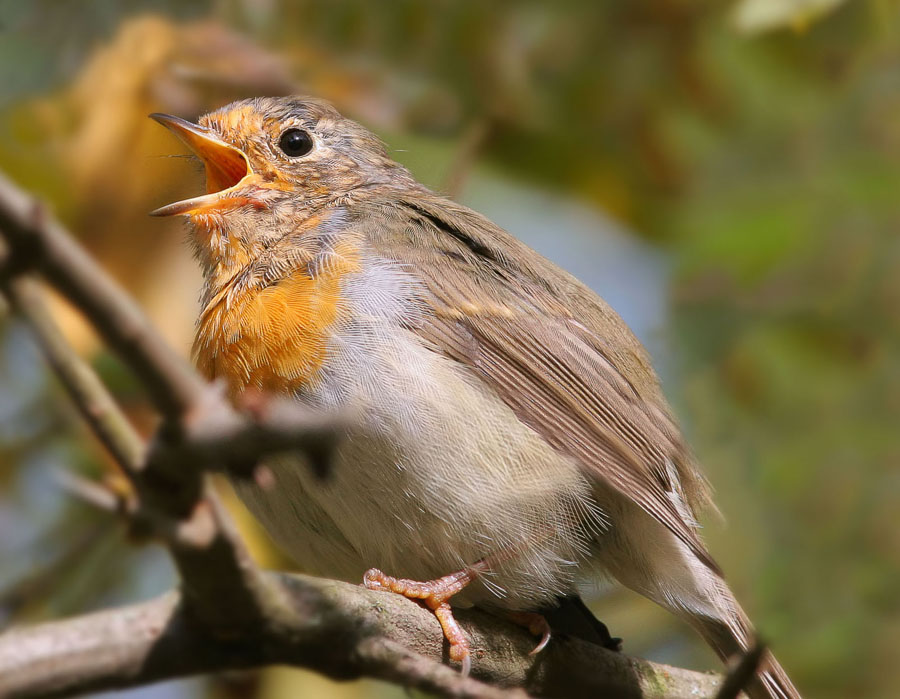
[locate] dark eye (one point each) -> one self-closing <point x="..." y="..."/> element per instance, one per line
<point x="295" y="142"/>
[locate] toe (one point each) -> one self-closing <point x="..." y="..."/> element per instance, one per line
<point x="459" y="652"/>
<point x="373" y="579"/>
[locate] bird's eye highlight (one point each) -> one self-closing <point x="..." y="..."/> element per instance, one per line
<point x="295" y="142"/>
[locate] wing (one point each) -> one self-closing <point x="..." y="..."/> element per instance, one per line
<point x="550" y="348"/>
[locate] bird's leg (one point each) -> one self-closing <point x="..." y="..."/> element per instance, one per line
<point x="435" y="594"/>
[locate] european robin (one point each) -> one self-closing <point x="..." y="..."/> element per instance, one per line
<point x="514" y="440"/>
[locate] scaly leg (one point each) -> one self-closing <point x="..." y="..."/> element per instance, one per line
<point x="435" y="595"/>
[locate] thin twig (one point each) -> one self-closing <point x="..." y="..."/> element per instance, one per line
<point x="90" y="396"/>
<point x="37" y="241"/>
<point x="742" y="673"/>
<point x="218" y="438"/>
<point x="91" y="492"/>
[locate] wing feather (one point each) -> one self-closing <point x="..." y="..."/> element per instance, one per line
<point x="550" y="348"/>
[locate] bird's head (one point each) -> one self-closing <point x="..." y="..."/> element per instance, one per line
<point x="272" y="164"/>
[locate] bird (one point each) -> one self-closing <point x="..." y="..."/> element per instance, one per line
<point x="511" y="440"/>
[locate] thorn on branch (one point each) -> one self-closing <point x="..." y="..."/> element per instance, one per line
<point x="94" y="493"/>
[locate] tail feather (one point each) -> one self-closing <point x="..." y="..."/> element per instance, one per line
<point x="642" y="555"/>
<point x="735" y="636"/>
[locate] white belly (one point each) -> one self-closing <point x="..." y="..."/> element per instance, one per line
<point x="441" y="475"/>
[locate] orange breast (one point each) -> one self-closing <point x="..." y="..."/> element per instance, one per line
<point x="274" y="338"/>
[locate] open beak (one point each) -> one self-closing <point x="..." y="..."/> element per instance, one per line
<point x="226" y="166"/>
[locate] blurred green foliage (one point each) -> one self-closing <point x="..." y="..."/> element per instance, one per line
<point x="762" y="155"/>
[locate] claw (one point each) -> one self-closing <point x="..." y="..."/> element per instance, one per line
<point x="545" y="637"/>
<point x="537" y="624"/>
<point x="466" y="668"/>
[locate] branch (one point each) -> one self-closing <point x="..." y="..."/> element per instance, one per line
<point x="221" y="439"/>
<point x="38" y="241"/>
<point x="174" y="502"/>
<point x="742" y="672"/>
<point x="90" y="396"/>
<point x="353" y="633"/>
<point x="211" y="558"/>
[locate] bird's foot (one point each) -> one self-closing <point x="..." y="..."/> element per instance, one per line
<point x="435" y="595"/>
<point x="536" y="623"/>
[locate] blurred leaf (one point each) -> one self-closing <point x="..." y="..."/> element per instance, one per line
<point x="760" y="16"/>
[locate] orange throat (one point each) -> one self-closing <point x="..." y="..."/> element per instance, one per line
<point x="275" y="337"/>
